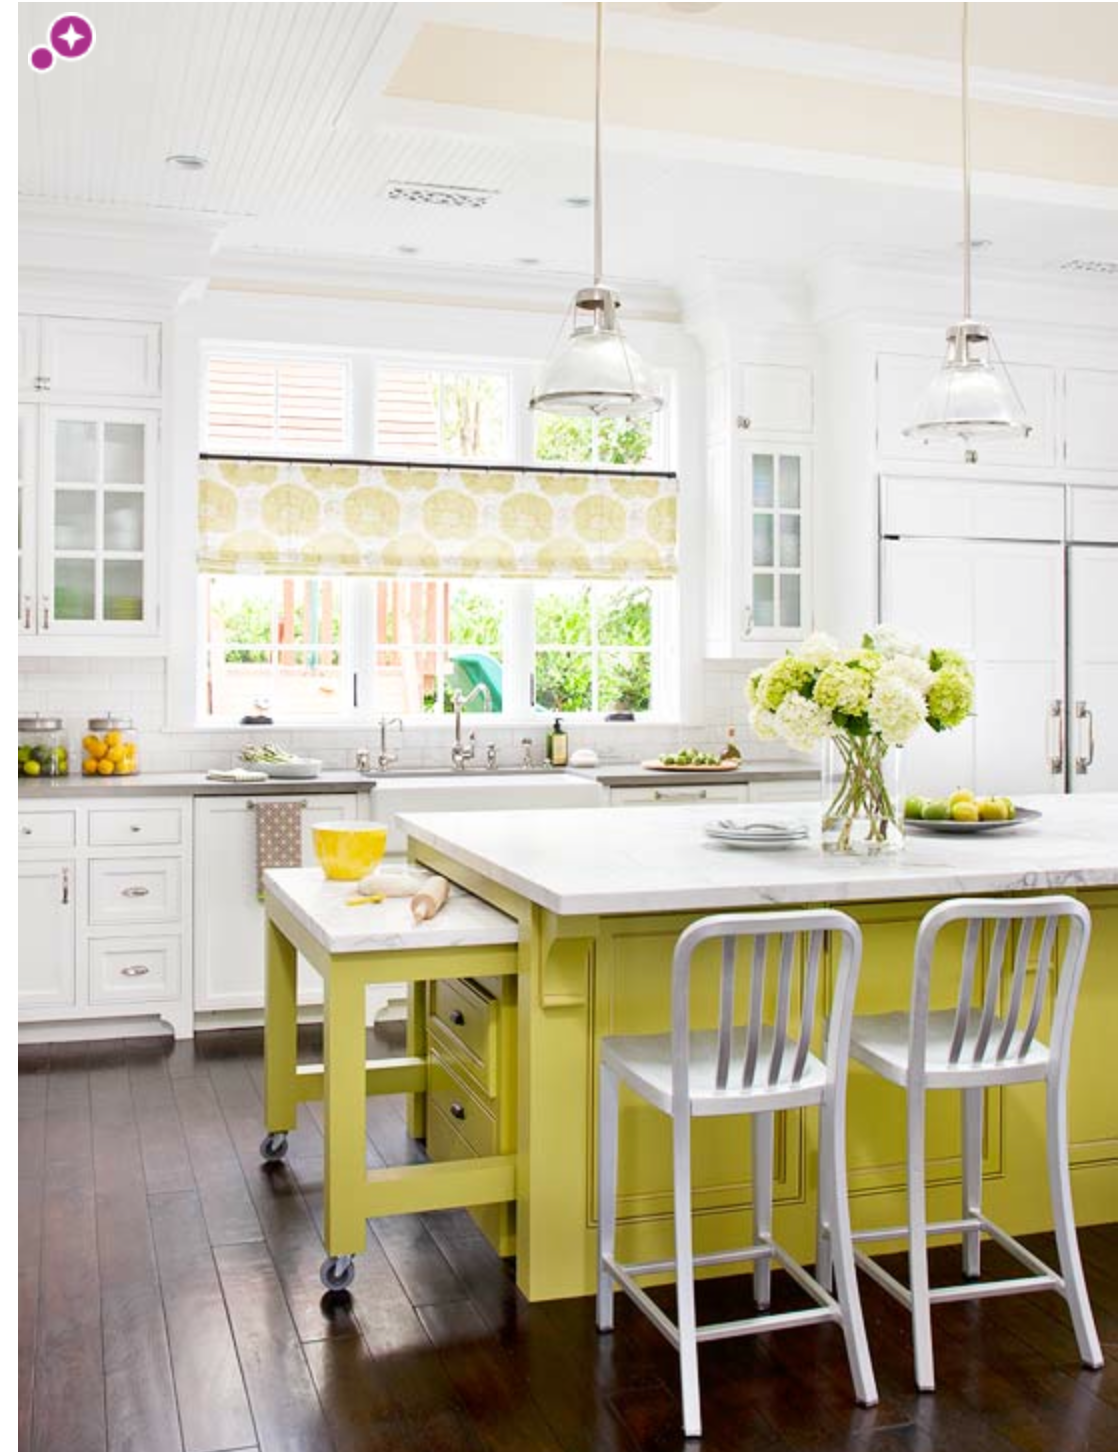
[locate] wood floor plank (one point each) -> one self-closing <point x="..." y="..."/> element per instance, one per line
<point x="230" y="1217"/>
<point x="140" y="1406"/>
<point x="213" y="1403"/>
<point x="29" y="1257"/>
<point x="282" y="1394"/>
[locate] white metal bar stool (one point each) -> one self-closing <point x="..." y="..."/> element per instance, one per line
<point x="754" y="1068"/>
<point x="971" y="1049"/>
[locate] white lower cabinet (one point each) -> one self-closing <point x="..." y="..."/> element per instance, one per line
<point x="104" y="933"/>
<point x="47" y="941"/>
<point x="228" y="915"/>
<point x="770" y="789"/>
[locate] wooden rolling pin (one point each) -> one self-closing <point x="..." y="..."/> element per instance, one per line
<point x="431" y="897"/>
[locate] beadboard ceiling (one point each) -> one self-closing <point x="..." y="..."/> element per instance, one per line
<point x="748" y="133"/>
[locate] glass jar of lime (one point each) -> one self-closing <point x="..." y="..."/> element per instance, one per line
<point x="42" y="747"/>
<point x="109" y="747"/>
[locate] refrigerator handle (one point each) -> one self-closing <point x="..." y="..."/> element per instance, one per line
<point x="1084" y="760"/>
<point x="1057" y="759"/>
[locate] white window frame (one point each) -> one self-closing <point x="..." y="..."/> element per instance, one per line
<point x="518" y="643"/>
<point x="511" y="442"/>
<point x="276" y="355"/>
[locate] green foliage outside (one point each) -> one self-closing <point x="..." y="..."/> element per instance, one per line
<point x="248" y="620"/>
<point x="565" y="677"/>
<point x="612" y="442"/>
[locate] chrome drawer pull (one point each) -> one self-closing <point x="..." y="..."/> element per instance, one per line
<point x="133" y="827"/>
<point x="457" y="1110"/>
<point x="134" y="891"/>
<point x="26" y="831"/>
<point x="677" y="796"/>
<point x="457" y="1018"/>
<point x="134" y="970"/>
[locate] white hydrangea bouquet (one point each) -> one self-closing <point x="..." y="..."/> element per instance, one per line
<point x="861" y="703"/>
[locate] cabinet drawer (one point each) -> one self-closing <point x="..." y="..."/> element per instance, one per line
<point x="46" y="829"/>
<point x="668" y="796"/>
<point x="158" y="826"/>
<point x="125" y="890"/>
<point x="454" y="1103"/>
<point x="468" y="1018"/>
<point x="785" y="789"/>
<point x="139" y="968"/>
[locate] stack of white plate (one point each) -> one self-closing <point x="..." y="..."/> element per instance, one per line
<point x="757" y="834"/>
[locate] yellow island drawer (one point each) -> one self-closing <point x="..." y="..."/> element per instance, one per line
<point x="461" y="1113"/>
<point x="468" y="1018"/>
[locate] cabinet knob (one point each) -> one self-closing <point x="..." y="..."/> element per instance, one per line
<point x="135" y="970"/>
<point x="134" y="827"/>
<point x="742" y="421"/>
<point x="25" y="831"/>
<point x="134" y="891"/>
<point x="456" y="1017"/>
<point x="457" y="1110"/>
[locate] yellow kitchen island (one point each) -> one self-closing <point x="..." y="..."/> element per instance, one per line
<point x="600" y="896"/>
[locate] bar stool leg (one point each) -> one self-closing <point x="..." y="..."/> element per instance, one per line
<point x="972" y="1148"/>
<point x="841" y="1261"/>
<point x="608" y="1192"/>
<point x="686" y="1290"/>
<point x="762" y="1176"/>
<point x="916" y="1215"/>
<point x="826" y="1199"/>
<point x="1065" y="1230"/>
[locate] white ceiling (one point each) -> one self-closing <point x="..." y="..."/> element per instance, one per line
<point x="289" y="104"/>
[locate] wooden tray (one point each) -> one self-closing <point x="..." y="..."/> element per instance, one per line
<point x="719" y="766"/>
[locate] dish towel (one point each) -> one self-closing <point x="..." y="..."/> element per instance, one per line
<point x="279" y="838"/>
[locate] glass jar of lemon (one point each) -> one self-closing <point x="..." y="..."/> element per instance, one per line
<point x="109" y="747"/>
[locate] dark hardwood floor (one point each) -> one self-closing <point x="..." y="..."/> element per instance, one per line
<point x="169" y="1302"/>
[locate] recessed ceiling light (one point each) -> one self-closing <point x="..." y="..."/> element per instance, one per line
<point x="578" y="202"/>
<point x="186" y="161"/>
<point x="407" y="250"/>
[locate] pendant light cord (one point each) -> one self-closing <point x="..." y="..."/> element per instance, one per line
<point x="598" y="146"/>
<point x="966" y="170"/>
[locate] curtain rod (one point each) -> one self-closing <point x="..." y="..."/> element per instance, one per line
<point x="463" y="466"/>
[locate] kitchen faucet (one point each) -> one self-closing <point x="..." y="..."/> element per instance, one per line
<point x="461" y="754"/>
<point x="385" y="757"/>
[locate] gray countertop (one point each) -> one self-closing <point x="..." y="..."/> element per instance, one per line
<point x="184" y="784"/>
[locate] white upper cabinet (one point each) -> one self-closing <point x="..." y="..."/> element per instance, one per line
<point x="1090" y="419"/>
<point x="1092" y="515"/>
<point x="775" y="399"/>
<point x="89" y="358"/>
<point x="901" y="379"/>
<point x="963" y="509"/>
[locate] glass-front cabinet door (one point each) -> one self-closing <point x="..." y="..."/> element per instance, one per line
<point x="26" y="491"/>
<point x="96" y="525"/>
<point x="775" y="516"/>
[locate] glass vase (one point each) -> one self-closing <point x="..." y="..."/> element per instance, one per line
<point x="862" y="801"/>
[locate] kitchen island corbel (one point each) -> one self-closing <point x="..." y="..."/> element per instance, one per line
<point x="600" y="899"/>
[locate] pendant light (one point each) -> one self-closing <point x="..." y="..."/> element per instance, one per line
<point x="972" y="395"/>
<point x="594" y="371"/>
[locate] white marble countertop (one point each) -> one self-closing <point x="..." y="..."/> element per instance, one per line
<point x="657" y="859"/>
<point x="382" y="927"/>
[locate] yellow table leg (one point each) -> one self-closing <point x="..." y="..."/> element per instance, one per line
<point x="280" y="1021"/>
<point x="416" y="1047"/>
<point x="344" y="1098"/>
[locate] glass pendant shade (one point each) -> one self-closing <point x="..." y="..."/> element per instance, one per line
<point x="594" y="370"/>
<point x="971" y="395"/>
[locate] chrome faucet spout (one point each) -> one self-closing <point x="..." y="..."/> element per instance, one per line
<point x="461" y="754"/>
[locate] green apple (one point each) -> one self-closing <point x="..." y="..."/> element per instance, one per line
<point x="915" y="807"/>
<point x="937" y="811"/>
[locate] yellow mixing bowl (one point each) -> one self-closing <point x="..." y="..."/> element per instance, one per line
<point x="348" y="850"/>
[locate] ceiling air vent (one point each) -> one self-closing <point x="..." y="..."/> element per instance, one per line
<point x="427" y="195"/>
<point x="1089" y="264"/>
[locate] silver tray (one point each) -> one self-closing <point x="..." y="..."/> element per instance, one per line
<point x="964" y="829"/>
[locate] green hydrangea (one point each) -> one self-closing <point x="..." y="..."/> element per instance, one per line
<point x="785" y="677"/>
<point x="950" y="695"/>
<point x="843" y="688"/>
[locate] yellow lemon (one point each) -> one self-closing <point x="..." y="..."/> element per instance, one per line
<point x="992" y="809"/>
<point x="112" y="738"/>
<point x="115" y="753"/>
<point x="965" y="812"/>
<point x="89" y="766"/>
<point x="97" y="748"/>
<point x="105" y="767"/>
<point x="88" y="741"/>
<point x="31" y="768"/>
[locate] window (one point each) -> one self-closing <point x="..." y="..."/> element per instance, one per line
<point x="593" y="646"/>
<point x="273" y="643"/>
<point x="270" y="404"/>
<point x="433" y="637"/>
<point x="425" y="414"/>
<point x="608" y="443"/>
<point x="777" y="483"/>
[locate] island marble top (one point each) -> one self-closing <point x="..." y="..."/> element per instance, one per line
<point x="657" y="859"/>
<point x="382" y="927"/>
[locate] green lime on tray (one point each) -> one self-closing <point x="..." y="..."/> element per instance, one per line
<point x="688" y="757"/>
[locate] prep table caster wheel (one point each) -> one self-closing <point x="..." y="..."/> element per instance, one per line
<point x="337" y="1272"/>
<point x="274" y="1146"/>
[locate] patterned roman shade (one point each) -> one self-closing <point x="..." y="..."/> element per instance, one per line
<point x="278" y="517"/>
